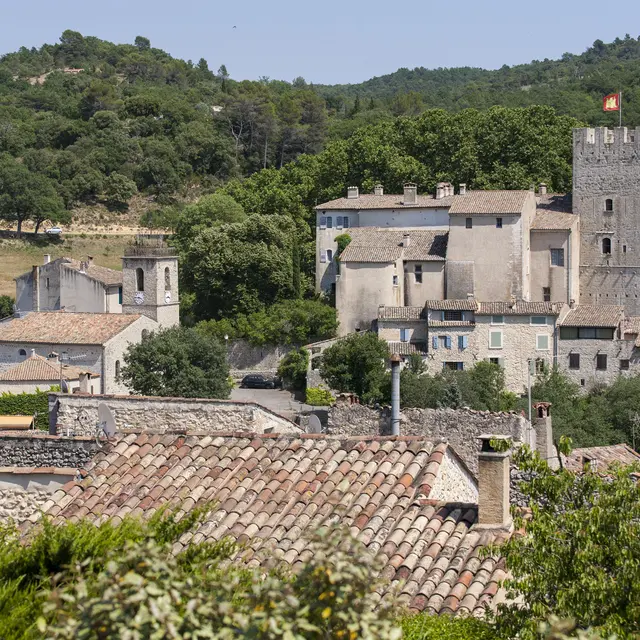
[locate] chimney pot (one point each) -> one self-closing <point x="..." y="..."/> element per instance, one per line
<point x="33" y="352"/>
<point x="439" y="191"/>
<point x="463" y="189"/>
<point x="378" y="190"/>
<point x="47" y="258"/>
<point x="89" y="260"/>
<point x="543" y="429"/>
<point x="493" y="484"/>
<point x="352" y="193"/>
<point x="395" y="394"/>
<point x="406" y="240"/>
<point x="542" y="189"/>
<point x="410" y="193"/>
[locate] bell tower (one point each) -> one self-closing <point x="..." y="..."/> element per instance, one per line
<point x="150" y="282"/>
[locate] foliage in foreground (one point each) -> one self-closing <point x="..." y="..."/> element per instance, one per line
<point x="319" y="397"/>
<point x="177" y="362"/>
<point x="6" y="306"/>
<point x="27" y="404"/>
<point x="293" y="368"/>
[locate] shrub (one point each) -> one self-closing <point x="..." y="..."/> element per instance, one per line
<point x="28" y="404"/>
<point x="293" y="368"/>
<point x="429" y="627"/>
<point x="318" y="397"/>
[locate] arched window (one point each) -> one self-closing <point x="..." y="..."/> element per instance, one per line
<point x="117" y="369"/>
<point x="167" y="279"/>
<point x="139" y="279"/>
<point x="606" y="245"/>
<point x="608" y="204"/>
<point x="22" y="352"/>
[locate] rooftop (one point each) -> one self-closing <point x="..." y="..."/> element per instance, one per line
<point x="376" y="244"/>
<point x="596" y="315"/>
<point x="387" y="201"/>
<point x="470" y="304"/>
<point x="559" y="202"/>
<point x="108" y="277"/>
<point x="407" y="348"/>
<point x="519" y="308"/>
<point x="400" y="313"/>
<point x="38" y="369"/>
<point x="603" y="457"/>
<point x="62" y="327"/>
<point x="269" y="491"/>
<point x="553" y="221"/>
<point x="490" y="202"/>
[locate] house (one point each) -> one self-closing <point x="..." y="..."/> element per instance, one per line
<point x="38" y="372"/>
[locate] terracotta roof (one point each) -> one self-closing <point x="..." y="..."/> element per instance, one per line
<point x="452" y="323"/>
<point x="520" y="308"/>
<point x="596" y="315"/>
<point x="376" y="244"/>
<point x="270" y="491"/>
<point x="603" y="457"/>
<point x="400" y="313"/>
<point x="490" y="202"/>
<point x="388" y="201"/>
<point x="36" y="368"/>
<point x="553" y="221"/>
<point x="108" y="277"/>
<point x="62" y="327"/>
<point x="632" y="326"/>
<point x="407" y="348"/>
<point x="452" y="305"/>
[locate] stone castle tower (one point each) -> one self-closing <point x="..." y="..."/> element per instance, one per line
<point x="150" y="282"/>
<point x="606" y="196"/>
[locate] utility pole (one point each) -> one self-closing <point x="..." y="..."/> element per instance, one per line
<point x="530" y="370"/>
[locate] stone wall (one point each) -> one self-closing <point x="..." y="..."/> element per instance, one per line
<point x="79" y="415"/>
<point x="19" y="504"/>
<point x="37" y="449"/>
<point x="460" y="428"/>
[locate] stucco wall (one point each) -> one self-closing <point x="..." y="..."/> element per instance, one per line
<point x="10" y="386"/>
<point x="543" y="273"/>
<point x="454" y="483"/>
<point x="86" y="356"/>
<point x="243" y="356"/>
<point x="80" y="293"/>
<point x="390" y="330"/>
<point x="431" y="287"/>
<point x="140" y="413"/>
<point x="113" y="300"/>
<point x="24" y="292"/>
<point x="325" y="239"/>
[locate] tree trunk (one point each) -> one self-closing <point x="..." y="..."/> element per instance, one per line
<point x="38" y="223"/>
<point x="19" y="227"/>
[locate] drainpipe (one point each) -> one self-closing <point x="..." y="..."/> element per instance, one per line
<point x="569" y="269"/>
<point x="395" y="394"/>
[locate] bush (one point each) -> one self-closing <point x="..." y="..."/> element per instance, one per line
<point x="28" y="404"/>
<point x="429" y="627"/>
<point x="6" y="306"/>
<point x="293" y="368"/>
<point x="318" y="397"/>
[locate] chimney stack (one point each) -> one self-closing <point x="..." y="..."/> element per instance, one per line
<point x="47" y="258"/>
<point x="33" y="352"/>
<point x="89" y="260"/>
<point x="352" y="193"/>
<point x="410" y="193"/>
<point x="85" y="377"/>
<point x="542" y="189"/>
<point x="406" y="240"/>
<point x="493" y="484"/>
<point x="544" y="431"/>
<point x="35" y="277"/>
<point x="463" y="189"/>
<point x="395" y="394"/>
<point x="440" y="191"/>
<point x="378" y="190"/>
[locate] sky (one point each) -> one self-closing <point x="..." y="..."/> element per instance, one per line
<point x="333" y="41"/>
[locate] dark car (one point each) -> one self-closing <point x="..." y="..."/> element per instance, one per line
<point x="258" y="381"/>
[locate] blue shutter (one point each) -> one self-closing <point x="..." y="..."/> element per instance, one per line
<point x="404" y="335"/>
<point x="459" y="366"/>
<point x="465" y="341"/>
<point x="434" y="341"/>
<point x="447" y="342"/>
<point x="460" y="342"/>
<point x="442" y="316"/>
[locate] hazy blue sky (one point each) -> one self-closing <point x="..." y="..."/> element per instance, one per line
<point x="331" y="41"/>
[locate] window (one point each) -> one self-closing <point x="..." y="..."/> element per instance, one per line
<point x="453" y="316"/>
<point x="418" y="272"/>
<point x="606" y="246"/>
<point x="445" y="342"/>
<point x="540" y="320"/>
<point x="574" y="361"/>
<point x="22" y="352"/>
<point x="323" y="255"/>
<point x="608" y="204"/>
<point x="495" y="339"/>
<point x="434" y="342"/>
<point x="497" y="319"/>
<point x="624" y="365"/>
<point x="557" y="257"/>
<point x="542" y="342"/>
<point x="345" y="222"/>
<point x="329" y="255"/>
<point x="463" y="342"/>
<point x="47" y="283"/>
<point x="453" y="366"/>
<point x="498" y="223"/>
<point x="395" y="281"/>
<point x="404" y="335"/>
<point x="117" y="369"/>
<point x="139" y="279"/>
<point x="469" y="223"/>
<point x="540" y="366"/>
<point x="499" y="362"/>
<point x="546" y="294"/>
<point x="167" y="279"/>
<point x="624" y="248"/>
<point x="582" y="382"/>
<point x="329" y="222"/>
<point x="323" y="222"/>
<point x="119" y="295"/>
<point x="339" y="220"/>
<point x="586" y="333"/>
<point x="601" y="362"/>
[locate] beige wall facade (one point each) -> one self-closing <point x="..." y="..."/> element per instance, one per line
<point x="80" y="293"/>
<point x="10" y="386"/>
<point x="390" y="330"/>
<point x="431" y="287"/>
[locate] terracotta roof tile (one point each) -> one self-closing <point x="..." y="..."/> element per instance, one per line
<point x="520" y="308"/>
<point x="451" y="305"/>
<point x="388" y="201"/>
<point x="601" y="457"/>
<point x="597" y="315"/>
<point x="400" y="313"/>
<point x="104" y="275"/>
<point x="36" y="368"/>
<point x="553" y="221"/>
<point x="407" y="348"/>
<point x="490" y="202"/>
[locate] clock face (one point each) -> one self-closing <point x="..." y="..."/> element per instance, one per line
<point x="167" y="297"/>
<point x="139" y="297"/>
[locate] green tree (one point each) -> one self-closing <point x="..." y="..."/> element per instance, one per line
<point x="119" y="190"/>
<point x="293" y="368"/>
<point x="177" y="362"/>
<point x="356" y="364"/>
<point x="142" y="43"/>
<point x="6" y="306"/>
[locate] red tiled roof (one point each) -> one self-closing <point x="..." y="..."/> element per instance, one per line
<point x="596" y="315"/>
<point x="519" y="308"/>
<point x="603" y="457"/>
<point x="269" y="491"/>
<point x="400" y="313"/>
<point x="387" y="201"/>
<point x="490" y="202"/>
<point x="36" y="368"/>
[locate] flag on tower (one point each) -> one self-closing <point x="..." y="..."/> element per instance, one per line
<point x="611" y="102"/>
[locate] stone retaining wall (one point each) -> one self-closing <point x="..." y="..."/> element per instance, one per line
<point x="19" y="504"/>
<point x="37" y="449"/>
<point x="78" y="414"/>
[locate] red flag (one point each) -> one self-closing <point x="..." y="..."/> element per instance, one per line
<point x="611" y="102"/>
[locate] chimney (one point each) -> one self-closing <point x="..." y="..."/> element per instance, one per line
<point x="395" y="394"/>
<point x="439" y="191"/>
<point x="544" y="431"/>
<point x="83" y="266"/>
<point x="35" y="276"/>
<point x="406" y="240"/>
<point x="352" y="193"/>
<point x="378" y="190"/>
<point x="410" y="193"/>
<point x="47" y="258"/>
<point x="463" y="189"/>
<point x="89" y="260"/>
<point x="493" y="484"/>
<point x="33" y="352"/>
<point x="572" y="304"/>
<point x="448" y="189"/>
<point x="542" y="189"/>
<point x="85" y="377"/>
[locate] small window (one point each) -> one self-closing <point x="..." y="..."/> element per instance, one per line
<point x="329" y="255"/>
<point x="624" y="248"/>
<point x="608" y="204"/>
<point x="495" y="339"/>
<point x="540" y="320"/>
<point x="557" y="257"/>
<point x="47" y="283"/>
<point x="453" y="316"/>
<point x="606" y="246"/>
<point x="117" y="369"/>
<point x="546" y="294"/>
<point x="497" y="319"/>
<point x="404" y="335"/>
<point x="601" y="362"/>
<point x="22" y="352"/>
<point x="463" y="342"/>
<point x="574" y="361"/>
<point x="469" y="223"/>
<point x="139" y="279"/>
<point x="495" y="361"/>
<point x="167" y="279"/>
<point x="582" y="382"/>
<point x="542" y="342"/>
<point x="329" y="222"/>
<point x="145" y="333"/>
<point x="339" y="220"/>
<point x="119" y="295"/>
<point x="395" y="281"/>
<point x="345" y="222"/>
<point x="624" y="365"/>
<point x="541" y="366"/>
<point x="323" y="222"/>
<point x="418" y="272"/>
<point x="453" y="366"/>
<point x="498" y="223"/>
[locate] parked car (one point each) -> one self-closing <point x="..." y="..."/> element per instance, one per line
<point x="54" y="231"/>
<point x="258" y="381"/>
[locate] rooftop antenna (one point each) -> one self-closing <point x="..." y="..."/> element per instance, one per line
<point x="106" y="422"/>
<point x="315" y="425"/>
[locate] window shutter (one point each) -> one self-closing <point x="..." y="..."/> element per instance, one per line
<point x="404" y="335"/>
<point x="442" y="316"/>
<point x="434" y="342"/>
<point x="323" y="255"/>
<point x="459" y="366"/>
<point x="447" y="342"/>
<point x="345" y="222"/>
<point x="339" y="222"/>
<point x="501" y="363"/>
<point x="462" y="316"/>
<point x="323" y="222"/>
<point x="460" y="342"/>
<point x="465" y="341"/>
